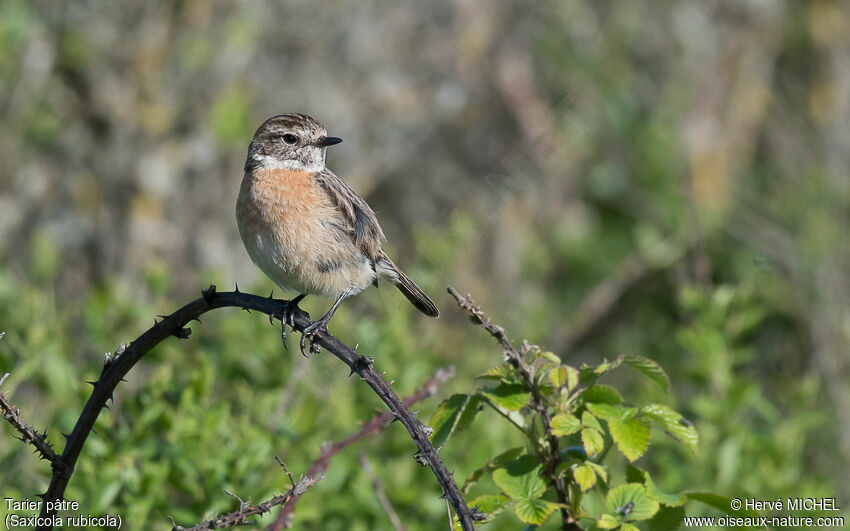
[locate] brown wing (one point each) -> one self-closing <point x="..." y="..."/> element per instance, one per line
<point x="357" y="217"/>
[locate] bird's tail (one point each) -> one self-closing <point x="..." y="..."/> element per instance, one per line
<point x="416" y="296"/>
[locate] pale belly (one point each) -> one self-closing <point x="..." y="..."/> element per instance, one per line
<point x="294" y="245"/>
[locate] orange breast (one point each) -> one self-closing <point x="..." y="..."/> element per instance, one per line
<point x="289" y="227"/>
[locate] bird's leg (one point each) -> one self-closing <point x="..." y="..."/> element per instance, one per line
<point x="287" y="316"/>
<point x="321" y="325"/>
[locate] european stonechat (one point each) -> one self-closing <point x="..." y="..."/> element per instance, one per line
<point x="306" y="229"/>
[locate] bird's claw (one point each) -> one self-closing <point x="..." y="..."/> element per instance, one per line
<point x="309" y="336"/>
<point x="287" y="318"/>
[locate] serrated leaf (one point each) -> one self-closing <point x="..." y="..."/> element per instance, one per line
<point x="585" y="477"/>
<point x="520" y="478"/>
<point x="601" y="394"/>
<point x="588" y="373"/>
<point x="572" y="377"/>
<point x="593" y="441"/>
<point x="630" y="436"/>
<point x="558" y="376"/>
<point x="674" y="424"/>
<point x="534" y="512"/>
<point x="650" y="369"/>
<point x="504" y="373"/>
<point x="666" y="518"/>
<point x="607" y="411"/>
<point x="599" y="469"/>
<point x="550" y="356"/>
<point x="723" y="503"/>
<point x="492" y="504"/>
<point x="497" y="462"/>
<point x="564" y="424"/>
<point x="630" y="502"/>
<point x="445" y="418"/>
<point x="589" y="421"/>
<point x="607" y="521"/>
<point x="512" y="397"/>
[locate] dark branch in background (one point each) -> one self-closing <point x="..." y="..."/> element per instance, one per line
<point x="247" y="510"/>
<point x="118" y="365"/>
<point x="515" y="358"/>
<point x="373" y="426"/>
<point x="28" y="434"/>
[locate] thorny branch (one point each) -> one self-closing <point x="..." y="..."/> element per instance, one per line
<point x="371" y="427"/>
<point x="247" y="510"/>
<point x="28" y="434"/>
<point x="118" y="365"/>
<point x="515" y="358"/>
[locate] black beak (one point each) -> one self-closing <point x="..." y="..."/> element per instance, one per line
<point x="326" y="141"/>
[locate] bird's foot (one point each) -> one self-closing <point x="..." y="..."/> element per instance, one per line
<point x="287" y="317"/>
<point x="309" y="335"/>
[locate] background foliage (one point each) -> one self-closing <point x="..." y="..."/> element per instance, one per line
<point x="664" y="179"/>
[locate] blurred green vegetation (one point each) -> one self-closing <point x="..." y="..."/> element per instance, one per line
<point x="663" y="179"/>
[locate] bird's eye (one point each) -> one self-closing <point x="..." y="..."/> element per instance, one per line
<point x="290" y="139"/>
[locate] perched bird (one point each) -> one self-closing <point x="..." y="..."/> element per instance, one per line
<point x="306" y="229"/>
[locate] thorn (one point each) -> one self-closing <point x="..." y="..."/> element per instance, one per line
<point x="421" y="458"/>
<point x="197" y="319"/>
<point x="246" y="309"/>
<point x="443" y="495"/>
<point x="237" y="287"/>
<point x="208" y="293"/>
<point x="65" y="435"/>
<point x="363" y="362"/>
<point x="271" y="295"/>
<point x="123" y="380"/>
<point x="93" y="431"/>
<point x="182" y="333"/>
<point x="91" y="383"/>
<point x="42" y="496"/>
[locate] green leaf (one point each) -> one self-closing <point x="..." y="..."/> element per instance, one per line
<point x="589" y="421"/>
<point x="588" y="373"/>
<point x="650" y="369"/>
<point x="564" y="424"/>
<point x="572" y="377"/>
<point x="631" y="436"/>
<point x="534" y="512"/>
<point x="585" y="477"/>
<point x="599" y="469"/>
<point x="512" y="397"/>
<point x="631" y="502"/>
<point x="472" y="407"/>
<point x="607" y="411"/>
<point x="601" y="394"/>
<point x="445" y="418"/>
<point x="558" y="376"/>
<point x="607" y="521"/>
<point x="520" y="478"/>
<point x="497" y="462"/>
<point x="674" y="424"/>
<point x="666" y="518"/>
<point x="492" y="504"/>
<point x="549" y="356"/>
<point x="718" y="501"/>
<point x="629" y="527"/>
<point x="504" y="373"/>
<point x="592" y="440"/>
